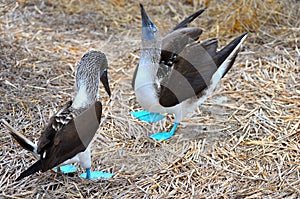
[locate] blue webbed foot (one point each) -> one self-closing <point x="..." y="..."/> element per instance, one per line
<point x="161" y="136"/>
<point x="69" y="168"/>
<point x="147" y="116"/>
<point x="164" y="135"/>
<point x="95" y="175"/>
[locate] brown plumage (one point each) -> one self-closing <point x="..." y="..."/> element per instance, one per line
<point x="71" y="130"/>
<point x="68" y="133"/>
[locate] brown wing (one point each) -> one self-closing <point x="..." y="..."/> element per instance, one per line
<point x="189" y="19"/>
<point x="194" y="68"/>
<point x="73" y="138"/>
<point x="191" y="74"/>
<point x="172" y="45"/>
<point x="61" y="118"/>
<point x="174" y="42"/>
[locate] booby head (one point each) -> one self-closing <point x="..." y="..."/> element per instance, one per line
<point x="91" y="69"/>
<point x="151" y="42"/>
<point x="149" y="30"/>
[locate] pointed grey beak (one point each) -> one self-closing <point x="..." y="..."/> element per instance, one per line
<point x="148" y="28"/>
<point x="104" y="81"/>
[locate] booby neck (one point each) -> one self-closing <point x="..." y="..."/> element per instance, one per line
<point x="83" y="97"/>
<point x="150" y="51"/>
<point x="149" y="63"/>
<point x="146" y="83"/>
<point x="92" y="69"/>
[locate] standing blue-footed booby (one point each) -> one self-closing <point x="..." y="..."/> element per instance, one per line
<point x="67" y="137"/>
<point x="177" y="73"/>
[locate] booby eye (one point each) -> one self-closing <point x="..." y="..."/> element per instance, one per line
<point x="154" y="29"/>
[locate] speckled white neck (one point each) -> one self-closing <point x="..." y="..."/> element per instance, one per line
<point x="81" y="98"/>
<point x="145" y="82"/>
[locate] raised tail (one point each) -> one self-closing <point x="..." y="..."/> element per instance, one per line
<point x="227" y="55"/>
<point x="189" y="19"/>
<point x="21" y="139"/>
<point x="31" y="170"/>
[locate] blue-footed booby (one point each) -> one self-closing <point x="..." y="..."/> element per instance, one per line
<point x="177" y="72"/>
<point x="67" y="137"/>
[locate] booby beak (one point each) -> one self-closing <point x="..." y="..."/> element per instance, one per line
<point x="104" y="81"/>
<point x="148" y="28"/>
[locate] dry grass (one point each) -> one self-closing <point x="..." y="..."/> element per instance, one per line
<point x="244" y="142"/>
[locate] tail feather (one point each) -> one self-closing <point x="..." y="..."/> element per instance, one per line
<point x="20" y="138"/>
<point x="189" y="19"/>
<point x="225" y="58"/>
<point x="230" y="51"/>
<point x="37" y="166"/>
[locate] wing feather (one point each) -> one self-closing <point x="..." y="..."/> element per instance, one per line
<point x="191" y="74"/>
<point x="68" y="141"/>
<point x="72" y="138"/>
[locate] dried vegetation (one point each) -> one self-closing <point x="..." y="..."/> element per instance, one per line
<point x="244" y="142"/>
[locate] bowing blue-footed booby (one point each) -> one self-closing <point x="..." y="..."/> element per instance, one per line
<point x="67" y="137"/>
<point x="177" y="73"/>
